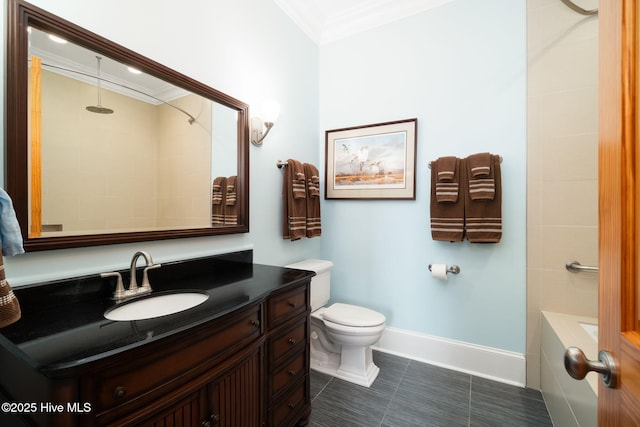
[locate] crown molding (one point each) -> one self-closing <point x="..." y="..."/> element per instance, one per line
<point x="324" y="27"/>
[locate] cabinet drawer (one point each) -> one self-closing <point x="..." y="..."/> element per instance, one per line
<point x="288" y="373"/>
<point x="290" y="405"/>
<point x="284" y="306"/>
<point x="117" y="386"/>
<point x="290" y="341"/>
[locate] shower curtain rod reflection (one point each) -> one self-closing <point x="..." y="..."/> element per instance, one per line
<point x="191" y="119"/>
<point x="578" y="9"/>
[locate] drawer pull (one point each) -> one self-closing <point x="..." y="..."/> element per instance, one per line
<point x="291" y="405"/>
<point x="292" y="341"/>
<point x="255" y="323"/>
<point x="292" y="304"/>
<point x="213" y="420"/>
<point x="119" y="392"/>
<point x="291" y="372"/>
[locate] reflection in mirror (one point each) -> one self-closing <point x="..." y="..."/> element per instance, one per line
<point x="127" y="162"/>
<point x="115" y="154"/>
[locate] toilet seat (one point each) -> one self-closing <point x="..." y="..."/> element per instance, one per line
<point x="355" y="331"/>
<point x="352" y="316"/>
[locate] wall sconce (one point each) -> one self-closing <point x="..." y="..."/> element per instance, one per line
<point x="261" y="124"/>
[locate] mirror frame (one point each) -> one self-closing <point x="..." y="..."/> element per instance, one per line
<point x="20" y="16"/>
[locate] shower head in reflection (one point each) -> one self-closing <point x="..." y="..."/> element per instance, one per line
<point x="99" y="109"/>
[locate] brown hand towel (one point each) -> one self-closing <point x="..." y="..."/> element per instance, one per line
<point x="484" y="216"/>
<point x="298" y="180"/>
<point x="294" y="218"/>
<point x="9" y="305"/>
<point x="231" y="208"/>
<point x="314" y="225"/>
<point x="448" y="179"/>
<point x="217" y="200"/>
<point x="313" y="180"/>
<point x="482" y="184"/>
<point x="446" y="167"/>
<point x="447" y="217"/>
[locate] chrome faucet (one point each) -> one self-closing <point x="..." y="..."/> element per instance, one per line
<point x="133" y="283"/>
<point x="120" y="293"/>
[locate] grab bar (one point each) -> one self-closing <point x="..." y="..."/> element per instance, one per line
<point x="578" y="9"/>
<point x="576" y="267"/>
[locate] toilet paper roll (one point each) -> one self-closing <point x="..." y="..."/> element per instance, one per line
<point x="439" y="271"/>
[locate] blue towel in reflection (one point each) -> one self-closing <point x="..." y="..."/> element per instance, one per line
<point x="10" y="235"/>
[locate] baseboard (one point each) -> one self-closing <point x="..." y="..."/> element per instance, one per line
<point x="491" y="363"/>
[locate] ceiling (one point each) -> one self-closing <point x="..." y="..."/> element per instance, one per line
<point x="325" y="21"/>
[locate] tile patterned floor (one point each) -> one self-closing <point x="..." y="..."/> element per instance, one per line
<point x="412" y="394"/>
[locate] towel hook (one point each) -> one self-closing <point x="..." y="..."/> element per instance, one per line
<point x="280" y="164"/>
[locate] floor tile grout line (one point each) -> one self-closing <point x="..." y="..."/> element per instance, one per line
<point x="393" y="396"/>
<point x="320" y="392"/>
<point x="470" y="388"/>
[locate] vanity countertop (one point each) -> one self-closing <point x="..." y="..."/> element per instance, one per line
<point x="63" y="324"/>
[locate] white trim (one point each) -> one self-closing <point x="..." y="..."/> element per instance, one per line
<point x="326" y="26"/>
<point x="487" y="362"/>
<point x="372" y="14"/>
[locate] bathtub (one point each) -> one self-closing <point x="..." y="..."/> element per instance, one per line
<point x="570" y="402"/>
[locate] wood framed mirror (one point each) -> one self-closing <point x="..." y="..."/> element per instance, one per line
<point x="97" y="155"/>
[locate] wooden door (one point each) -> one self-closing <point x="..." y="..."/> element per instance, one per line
<point x="619" y="184"/>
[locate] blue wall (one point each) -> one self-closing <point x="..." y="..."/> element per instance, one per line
<point x="460" y="69"/>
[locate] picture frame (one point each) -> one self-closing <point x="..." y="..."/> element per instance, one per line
<point x="374" y="162"/>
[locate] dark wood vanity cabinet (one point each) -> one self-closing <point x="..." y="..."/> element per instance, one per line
<point x="211" y="375"/>
<point x="249" y="367"/>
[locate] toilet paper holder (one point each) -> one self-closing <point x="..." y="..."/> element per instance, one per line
<point x="453" y="269"/>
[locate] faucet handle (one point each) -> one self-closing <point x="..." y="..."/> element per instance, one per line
<point x="119" y="292"/>
<point x="146" y="286"/>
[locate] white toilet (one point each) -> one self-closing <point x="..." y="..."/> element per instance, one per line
<point x="341" y="334"/>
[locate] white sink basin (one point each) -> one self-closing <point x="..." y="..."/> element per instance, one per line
<point x="156" y="306"/>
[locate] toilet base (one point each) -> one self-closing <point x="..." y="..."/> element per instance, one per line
<point x="357" y="368"/>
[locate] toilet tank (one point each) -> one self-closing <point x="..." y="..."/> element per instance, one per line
<point x="320" y="283"/>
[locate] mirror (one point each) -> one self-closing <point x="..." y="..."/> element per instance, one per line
<point x="98" y="154"/>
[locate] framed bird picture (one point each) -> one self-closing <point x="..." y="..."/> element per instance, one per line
<point x="375" y="161"/>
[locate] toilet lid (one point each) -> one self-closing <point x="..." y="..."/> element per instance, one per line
<point x="352" y="315"/>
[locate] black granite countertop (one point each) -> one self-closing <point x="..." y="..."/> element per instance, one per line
<point x="63" y="324"/>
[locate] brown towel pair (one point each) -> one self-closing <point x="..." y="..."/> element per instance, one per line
<point x="9" y="305"/>
<point x="483" y="204"/>
<point x="301" y="201"/>
<point x="294" y="218"/>
<point x="447" y="209"/>
<point x="478" y="213"/>
<point x="218" y="200"/>
<point x="224" y="210"/>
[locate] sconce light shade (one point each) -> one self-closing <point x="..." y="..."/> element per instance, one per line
<point x="262" y="123"/>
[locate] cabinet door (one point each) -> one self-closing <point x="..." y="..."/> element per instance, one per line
<point x="169" y="411"/>
<point x="235" y="399"/>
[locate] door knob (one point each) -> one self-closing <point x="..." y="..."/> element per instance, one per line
<point x="577" y="365"/>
